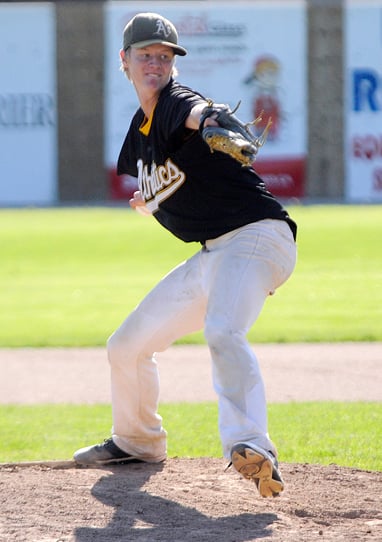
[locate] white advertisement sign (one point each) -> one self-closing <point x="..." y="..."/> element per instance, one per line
<point x="254" y="52"/>
<point x="363" y="136"/>
<point x="27" y="104"/>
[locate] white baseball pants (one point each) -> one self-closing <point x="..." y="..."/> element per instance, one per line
<point x="222" y="288"/>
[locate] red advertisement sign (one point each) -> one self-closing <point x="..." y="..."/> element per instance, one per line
<point x="283" y="177"/>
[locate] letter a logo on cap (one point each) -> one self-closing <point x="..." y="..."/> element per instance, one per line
<point x="162" y="29"/>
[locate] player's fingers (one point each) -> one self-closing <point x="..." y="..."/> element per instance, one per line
<point x="136" y="199"/>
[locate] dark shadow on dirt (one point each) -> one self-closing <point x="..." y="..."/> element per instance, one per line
<point x="139" y="515"/>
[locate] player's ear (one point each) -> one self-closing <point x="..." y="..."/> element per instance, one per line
<point x="124" y="56"/>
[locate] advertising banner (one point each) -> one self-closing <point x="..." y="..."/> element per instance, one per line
<point x="254" y="52"/>
<point x="363" y="117"/>
<point x="27" y="104"/>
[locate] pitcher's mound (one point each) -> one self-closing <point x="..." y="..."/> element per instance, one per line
<point x="186" y="500"/>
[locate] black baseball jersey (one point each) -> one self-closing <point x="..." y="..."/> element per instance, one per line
<point x="195" y="194"/>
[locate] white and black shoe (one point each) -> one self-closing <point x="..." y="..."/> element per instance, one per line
<point x="259" y="465"/>
<point x="103" y="454"/>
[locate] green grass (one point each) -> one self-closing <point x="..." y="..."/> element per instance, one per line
<point x="322" y="433"/>
<point x="69" y="276"/>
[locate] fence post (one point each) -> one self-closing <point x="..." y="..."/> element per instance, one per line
<point x="80" y="81"/>
<point x="325" y="163"/>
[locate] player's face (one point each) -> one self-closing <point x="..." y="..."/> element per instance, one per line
<point x="150" y="67"/>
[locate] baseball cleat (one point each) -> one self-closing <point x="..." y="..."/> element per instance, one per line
<point x="103" y="454"/>
<point x="254" y="463"/>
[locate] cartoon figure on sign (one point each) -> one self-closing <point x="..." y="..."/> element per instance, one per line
<point x="265" y="78"/>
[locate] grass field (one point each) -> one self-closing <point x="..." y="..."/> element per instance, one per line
<point x="324" y="433"/>
<point x="69" y="276"/>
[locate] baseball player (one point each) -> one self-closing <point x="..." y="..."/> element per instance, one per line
<point x="246" y="250"/>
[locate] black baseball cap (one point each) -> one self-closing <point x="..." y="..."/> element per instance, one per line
<point x="149" y="28"/>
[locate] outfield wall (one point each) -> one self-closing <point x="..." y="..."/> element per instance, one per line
<point x="63" y="156"/>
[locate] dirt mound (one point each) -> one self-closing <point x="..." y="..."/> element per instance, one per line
<point x="186" y="500"/>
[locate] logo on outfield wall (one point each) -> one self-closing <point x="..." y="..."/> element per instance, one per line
<point x="367" y="90"/>
<point x="265" y="81"/>
<point x="207" y="25"/>
<point x="367" y="98"/>
<point x="20" y="110"/>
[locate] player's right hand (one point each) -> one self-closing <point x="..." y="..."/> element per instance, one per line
<point x="138" y="203"/>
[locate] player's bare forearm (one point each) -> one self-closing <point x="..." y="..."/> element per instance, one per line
<point x="193" y="119"/>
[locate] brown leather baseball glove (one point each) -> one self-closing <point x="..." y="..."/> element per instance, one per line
<point x="232" y="136"/>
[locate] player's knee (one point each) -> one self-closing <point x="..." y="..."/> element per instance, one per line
<point x="124" y="343"/>
<point x="121" y="349"/>
<point x="116" y="349"/>
<point x="222" y="336"/>
<point x="214" y="333"/>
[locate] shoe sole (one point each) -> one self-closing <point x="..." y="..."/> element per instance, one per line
<point x="115" y="461"/>
<point x="253" y="465"/>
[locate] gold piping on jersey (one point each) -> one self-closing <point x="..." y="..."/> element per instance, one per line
<point x="146" y="123"/>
